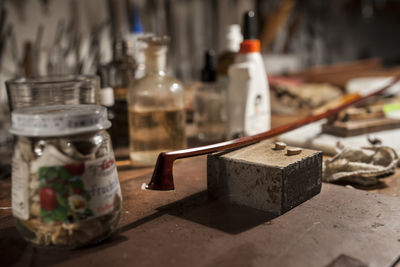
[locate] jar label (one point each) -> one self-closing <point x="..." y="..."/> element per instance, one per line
<point x="79" y="191"/>
<point x="19" y="189"/>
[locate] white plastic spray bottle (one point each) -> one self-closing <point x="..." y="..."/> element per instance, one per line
<point x="249" y="108"/>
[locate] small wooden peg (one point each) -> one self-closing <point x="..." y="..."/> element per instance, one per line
<point x="293" y="151"/>
<point x="280" y="146"/>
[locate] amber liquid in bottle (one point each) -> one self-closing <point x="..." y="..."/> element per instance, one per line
<point x="156" y="109"/>
<point x="118" y="74"/>
<point x="153" y="132"/>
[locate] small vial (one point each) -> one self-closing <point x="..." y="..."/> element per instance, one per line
<point x="210" y="107"/>
<point x="293" y="151"/>
<point x="280" y="146"/>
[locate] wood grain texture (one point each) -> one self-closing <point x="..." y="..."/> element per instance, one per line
<point x="183" y="228"/>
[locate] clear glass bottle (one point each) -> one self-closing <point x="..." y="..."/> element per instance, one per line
<point x="210" y="104"/>
<point x="118" y="74"/>
<point x="65" y="187"/>
<point x="156" y="108"/>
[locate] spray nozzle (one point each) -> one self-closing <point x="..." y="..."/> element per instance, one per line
<point x="250" y="30"/>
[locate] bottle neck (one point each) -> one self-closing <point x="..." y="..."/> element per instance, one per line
<point x="119" y="50"/>
<point x="156" y="60"/>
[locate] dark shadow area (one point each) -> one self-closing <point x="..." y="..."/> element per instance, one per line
<point x="122" y="157"/>
<point x="12" y="246"/>
<point x="49" y="257"/>
<point x="5" y="171"/>
<point x="140" y="222"/>
<point x="175" y="208"/>
<point x="121" y="153"/>
<point x="396" y="262"/>
<point x="229" y="218"/>
<point x="346" y="261"/>
<point x="226" y="217"/>
<point x="379" y="185"/>
<point x="128" y="167"/>
<point x="15" y="251"/>
<point x="124" y="168"/>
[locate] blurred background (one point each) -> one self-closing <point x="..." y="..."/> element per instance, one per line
<point x="54" y="37"/>
<point x="307" y="32"/>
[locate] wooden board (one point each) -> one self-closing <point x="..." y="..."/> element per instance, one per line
<point x="358" y="127"/>
<point x="340" y="73"/>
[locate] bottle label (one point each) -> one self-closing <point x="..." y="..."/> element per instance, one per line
<point x="75" y="192"/>
<point x="257" y="123"/>
<point x="19" y="189"/>
<point x="257" y="119"/>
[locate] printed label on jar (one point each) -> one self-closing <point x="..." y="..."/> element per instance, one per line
<point x="79" y="191"/>
<point x="19" y="189"/>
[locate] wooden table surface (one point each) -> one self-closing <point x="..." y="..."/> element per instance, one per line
<point x="182" y="227"/>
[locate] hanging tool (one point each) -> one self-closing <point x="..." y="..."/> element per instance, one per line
<point x="14" y="50"/>
<point x="27" y="59"/>
<point x="36" y="51"/>
<point x="3" y="33"/>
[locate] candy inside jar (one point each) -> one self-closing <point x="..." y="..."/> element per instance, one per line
<point x="65" y="187"/>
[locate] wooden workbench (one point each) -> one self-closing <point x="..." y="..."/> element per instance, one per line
<point x="183" y="228"/>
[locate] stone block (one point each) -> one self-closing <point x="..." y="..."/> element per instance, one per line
<point x="264" y="178"/>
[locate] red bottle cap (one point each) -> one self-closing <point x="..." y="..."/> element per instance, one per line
<point x="249" y="46"/>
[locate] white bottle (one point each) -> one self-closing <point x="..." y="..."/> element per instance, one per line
<point x="248" y="91"/>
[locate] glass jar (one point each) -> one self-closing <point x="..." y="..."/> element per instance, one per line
<point x="53" y="90"/>
<point x="65" y="187"/>
<point x="156" y="108"/>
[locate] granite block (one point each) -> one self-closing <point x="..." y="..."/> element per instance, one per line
<point x="261" y="177"/>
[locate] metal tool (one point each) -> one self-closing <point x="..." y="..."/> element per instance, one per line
<point x="14" y="50"/>
<point x="3" y="33"/>
<point x="36" y="51"/>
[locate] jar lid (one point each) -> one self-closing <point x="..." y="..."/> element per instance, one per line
<point x="58" y="120"/>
